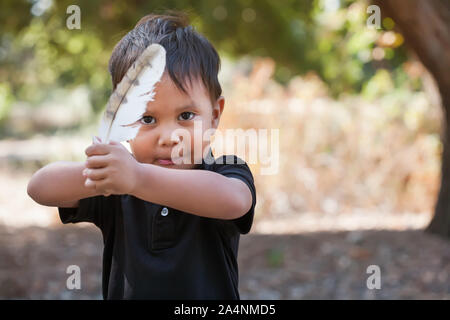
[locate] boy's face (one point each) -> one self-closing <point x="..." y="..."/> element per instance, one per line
<point x="170" y="110"/>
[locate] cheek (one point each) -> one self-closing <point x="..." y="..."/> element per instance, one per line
<point x="142" y="147"/>
<point x="203" y="140"/>
<point x="136" y="151"/>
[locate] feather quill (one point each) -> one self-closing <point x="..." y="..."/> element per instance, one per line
<point x="129" y="101"/>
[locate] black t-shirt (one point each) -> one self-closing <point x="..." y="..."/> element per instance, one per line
<point x="157" y="252"/>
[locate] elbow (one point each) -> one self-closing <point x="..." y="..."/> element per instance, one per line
<point x="31" y="190"/>
<point x="37" y="196"/>
<point x="246" y="204"/>
<point x="242" y="205"/>
<point x="241" y="200"/>
<point x="34" y="191"/>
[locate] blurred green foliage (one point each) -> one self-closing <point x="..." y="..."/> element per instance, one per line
<point x="275" y="257"/>
<point x="38" y="53"/>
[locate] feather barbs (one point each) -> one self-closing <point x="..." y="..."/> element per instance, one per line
<point x="128" y="102"/>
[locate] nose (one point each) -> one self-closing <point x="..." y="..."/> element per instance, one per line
<point x="165" y="138"/>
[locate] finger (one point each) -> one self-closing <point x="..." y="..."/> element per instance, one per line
<point x="95" y="174"/>
<point x="103" y="186"/>
<point x="97" y="149"/>
<point x="94" y="162"/>
<point x="94" y="185"/>
<point x="114" y="142"/>
<point x="89" y="184"/>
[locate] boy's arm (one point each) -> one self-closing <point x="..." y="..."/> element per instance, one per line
<point x="59" y="184"/>
<point x="200" y="192"/>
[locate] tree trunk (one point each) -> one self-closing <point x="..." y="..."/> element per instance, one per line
<point x="425" y="25"/>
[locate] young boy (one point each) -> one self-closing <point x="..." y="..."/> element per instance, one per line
<point x="170" y="231"/>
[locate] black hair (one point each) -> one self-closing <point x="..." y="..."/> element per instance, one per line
<point x="188" y="54"/>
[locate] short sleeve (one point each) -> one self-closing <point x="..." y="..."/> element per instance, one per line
<point x="234" y="167"/>
<point x="88" y="210"/>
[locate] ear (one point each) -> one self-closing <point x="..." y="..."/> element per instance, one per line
<point x="217" y="111"/>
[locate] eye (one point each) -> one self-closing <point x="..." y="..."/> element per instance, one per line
<point x="187" y="115"/>
<point x="148" y="118"/>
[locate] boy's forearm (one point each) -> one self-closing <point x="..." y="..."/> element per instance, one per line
<point x="200" y="192"/>
<point x="59" y="183"/>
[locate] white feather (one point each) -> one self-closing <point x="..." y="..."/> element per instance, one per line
<point x="129" y="101"/>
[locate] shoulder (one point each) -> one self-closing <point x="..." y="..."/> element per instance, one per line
<point x="233" y="166"/>
<point x="228" y="164"/>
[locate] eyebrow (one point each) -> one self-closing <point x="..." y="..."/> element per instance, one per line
<point x="185" y="107"/>
<point x="188" y="106"/>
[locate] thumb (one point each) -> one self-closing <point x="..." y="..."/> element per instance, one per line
<point x="117" y="143"/>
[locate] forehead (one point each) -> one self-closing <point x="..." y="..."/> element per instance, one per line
<point x="168" y="94"/>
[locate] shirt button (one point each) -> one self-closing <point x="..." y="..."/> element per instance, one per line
<point x="164" y="212"/>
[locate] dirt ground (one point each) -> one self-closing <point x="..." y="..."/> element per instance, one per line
<point x="318" y="265"/>
<point x="305" y="256"/>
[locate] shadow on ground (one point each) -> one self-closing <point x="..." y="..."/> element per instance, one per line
<point x="322" y="265"/>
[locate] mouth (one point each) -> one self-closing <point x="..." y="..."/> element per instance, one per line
<point x="165" y="162"/>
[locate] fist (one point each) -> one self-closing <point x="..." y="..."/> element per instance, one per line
<point x="110" y="168"/>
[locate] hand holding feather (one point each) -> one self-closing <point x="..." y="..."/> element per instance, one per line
<point x="111" y="169"/>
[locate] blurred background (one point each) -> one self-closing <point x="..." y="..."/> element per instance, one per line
<point x="361" y="118"/>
